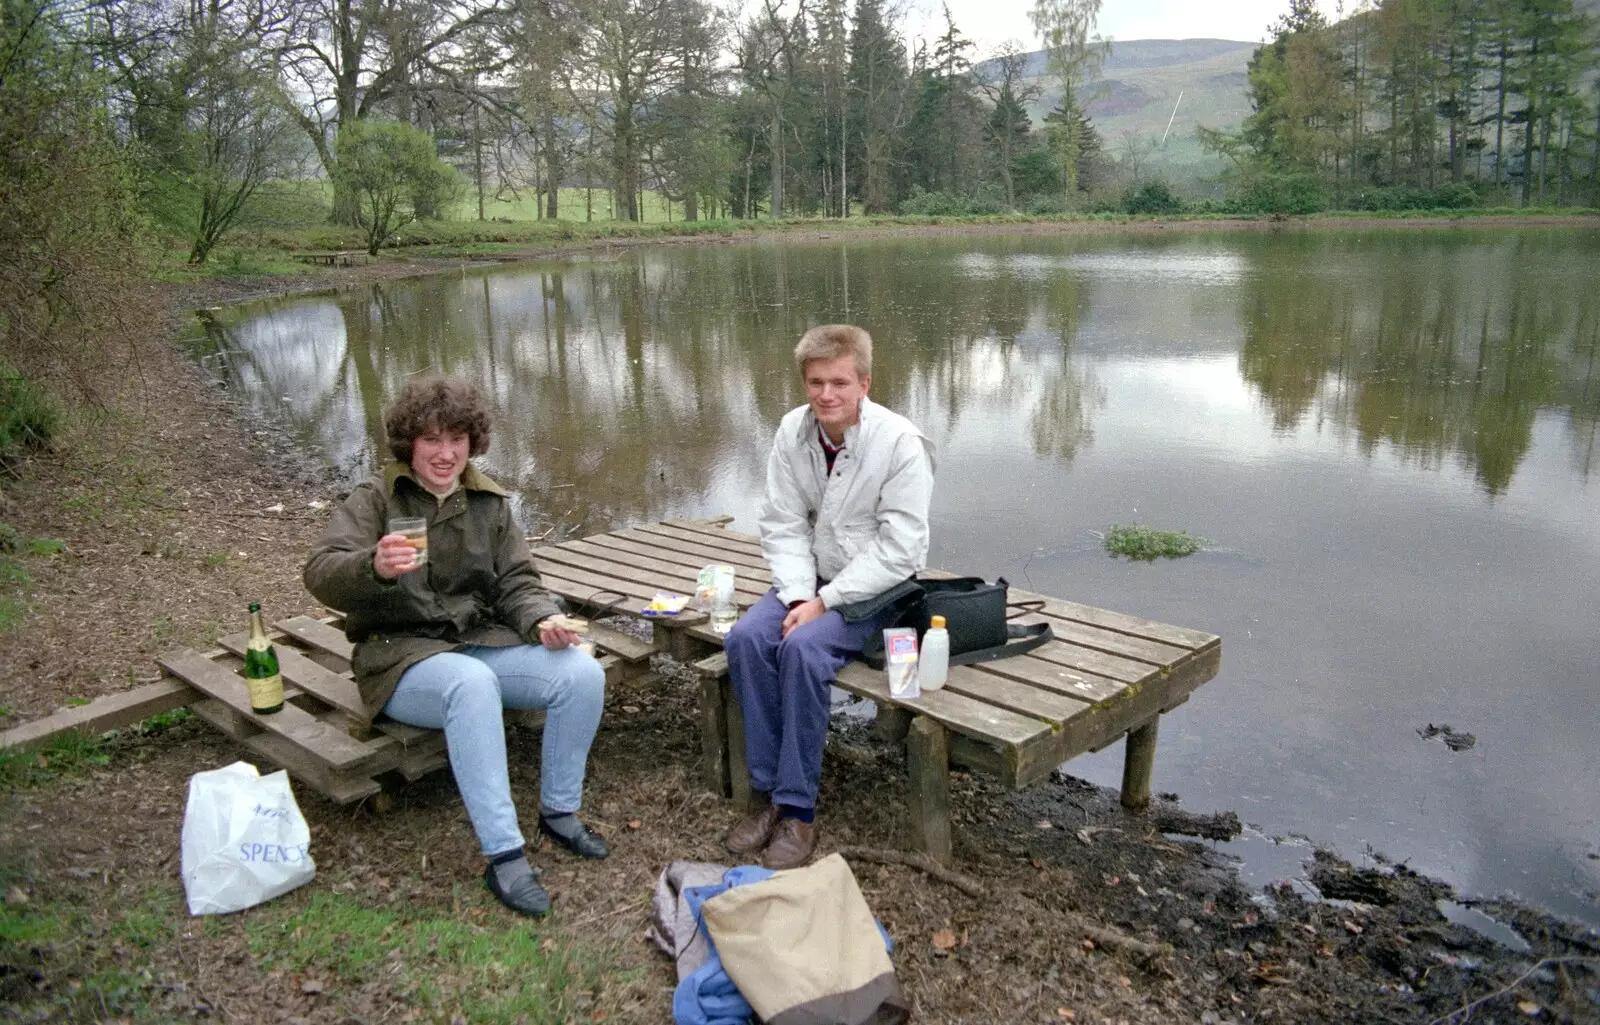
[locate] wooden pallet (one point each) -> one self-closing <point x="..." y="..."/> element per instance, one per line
<point x="322" y="736"/>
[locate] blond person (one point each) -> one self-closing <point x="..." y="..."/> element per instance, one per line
<point x="844" y="519"/>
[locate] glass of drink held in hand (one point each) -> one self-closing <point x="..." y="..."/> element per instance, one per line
<point x="415" y="531"/>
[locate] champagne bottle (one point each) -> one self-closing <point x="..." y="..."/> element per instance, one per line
<point x="261" y="667"/>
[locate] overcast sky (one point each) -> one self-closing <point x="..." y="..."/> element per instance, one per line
<point x="988" y="22"/>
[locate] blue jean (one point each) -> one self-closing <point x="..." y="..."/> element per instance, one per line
<point x="463" y="693"/>
<point x="782" y="684"/>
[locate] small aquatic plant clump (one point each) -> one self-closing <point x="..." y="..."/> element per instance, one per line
<point x="1148" y="544"/>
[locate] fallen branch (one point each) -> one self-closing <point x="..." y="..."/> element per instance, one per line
<point x="1224" y="826"/>
<point x="1111" y="939"/>
<point x="1465" y="1011"/>
<point x="919" y="861"/>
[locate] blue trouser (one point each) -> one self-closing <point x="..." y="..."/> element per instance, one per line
<point x="782" y="685"/>
<point x="464" y="692"/>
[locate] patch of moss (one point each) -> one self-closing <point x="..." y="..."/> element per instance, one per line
<point x="1147" y="544"/>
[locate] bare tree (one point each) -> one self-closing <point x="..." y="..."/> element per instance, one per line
<point x="1000" y="79"/>
<point x="347" y="59"/>
<point x="769" y="56"/>
<point x="1075" y="53"/>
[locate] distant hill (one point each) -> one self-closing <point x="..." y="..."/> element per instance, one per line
<point x="1139" y="84"/>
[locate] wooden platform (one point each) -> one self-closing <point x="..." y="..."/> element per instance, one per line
<point x="342" y="258"/>
<point x="1107" y="675"/>
<point x="321" y="736"/>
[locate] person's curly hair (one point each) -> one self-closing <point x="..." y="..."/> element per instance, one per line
<point x="436" y="403"/>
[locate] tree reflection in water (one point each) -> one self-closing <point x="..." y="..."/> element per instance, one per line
<point x="1439" y="347"/>
<point x="630" y="387"/>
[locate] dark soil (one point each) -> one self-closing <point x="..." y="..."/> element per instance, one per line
<point x="1089" y="913"/>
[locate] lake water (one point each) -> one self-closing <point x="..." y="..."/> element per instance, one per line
<point x="1390" y="439"/>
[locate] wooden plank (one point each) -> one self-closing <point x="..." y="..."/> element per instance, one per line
<point x="1003" y="692"/>
<point x="1056" y="677"/>
<point x="314" y="633"/>
<point x="732" y="551"/>
<point x="1139" y="649"/>
<point x="675" y="556"/>
<point x="738" y="760"/>
<point x="1101" y="724"/>
<point x="1194" y="640"/>
<point x="1097" y="662"/>
<point x="975" y="754"/>
<point x="321" y="741"/>
<point x="583" y="588"/>
<point x="928" y="765"/>
<point x="421" y="763"/>
<point x="593" y="590"/>
<point x="679" y="581"/>
<point x="716" y="531"/>
<point x="713" y="735"/>
<point x="624" y="646"/>
<point x="1139" y="764"/>
<point x="608" y="557"/>
<point x="1019" y="735"/>
<point x="322" y="684"/>
<point x="687" y="547"/>
<point x="407" y="736"/>
<point x="340" y="788"/>
<point x="110" y="712"/>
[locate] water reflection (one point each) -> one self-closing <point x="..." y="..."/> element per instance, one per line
<point x="1440" y="348"/>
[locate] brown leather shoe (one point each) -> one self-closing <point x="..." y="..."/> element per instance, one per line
<point x="793" y="843"/>
<point x="753" y="831"/>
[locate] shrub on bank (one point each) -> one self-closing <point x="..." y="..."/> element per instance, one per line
<point x="1271" y="193"/>
<point x="1449" y="196"/>
<point x="1152" y="197"/>
<point x="28" y="417"/>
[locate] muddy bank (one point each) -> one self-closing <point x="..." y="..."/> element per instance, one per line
<point x="180" y="508"/>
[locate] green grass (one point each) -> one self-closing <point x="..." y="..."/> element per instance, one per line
<point x="73" y="754"/>
<point x="507" y="970"/>
<point x="128" y="959"/>
<point x="1147" y="544"/>
<point x="15" y="550"/>
<point x="294" y="222"/>
<point x="70" y="754"/>
<point x="29" y="418"/>
<point x="53" y="935"/>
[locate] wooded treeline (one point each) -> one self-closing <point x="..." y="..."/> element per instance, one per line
<point x="1468" y="99"/>
<point x="795" y="107"/>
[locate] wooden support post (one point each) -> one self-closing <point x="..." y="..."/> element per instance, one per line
<point x="738" y="766"/>
<point x="713" y="735"/>
<point x="893" y="722"/>
<point x="928" y="764"/>
<point x="1139" y="764"/>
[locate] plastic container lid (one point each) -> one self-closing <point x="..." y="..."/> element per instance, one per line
<point x="936" y="623"/>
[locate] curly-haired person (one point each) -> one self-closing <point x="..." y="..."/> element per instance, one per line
<point x="451" y="643"/>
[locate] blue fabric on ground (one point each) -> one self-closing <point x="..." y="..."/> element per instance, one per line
<point x="707" y="996"/>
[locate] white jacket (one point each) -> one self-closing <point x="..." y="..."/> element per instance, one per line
<point x="864" y="528"/>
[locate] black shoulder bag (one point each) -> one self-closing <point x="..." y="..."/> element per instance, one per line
<point x="976" y="613"/>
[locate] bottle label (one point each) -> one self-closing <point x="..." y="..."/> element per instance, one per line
<point x="266" y="692"/>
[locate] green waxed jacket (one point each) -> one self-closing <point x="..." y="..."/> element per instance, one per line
<point x="478" y="587"/>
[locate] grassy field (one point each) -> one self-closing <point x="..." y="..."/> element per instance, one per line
<point x="293" y="220"/>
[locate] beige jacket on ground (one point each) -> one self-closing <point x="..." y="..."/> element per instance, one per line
<point x="803" y="949"/>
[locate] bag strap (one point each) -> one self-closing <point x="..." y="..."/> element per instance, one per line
<point x="1024" y="607"/>
<point x="1023" y="639"/>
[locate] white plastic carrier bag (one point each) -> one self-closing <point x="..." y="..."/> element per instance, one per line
<point x="244" y="840"/>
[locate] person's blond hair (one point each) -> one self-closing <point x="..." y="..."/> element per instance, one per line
<point x="830" y="341"/>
